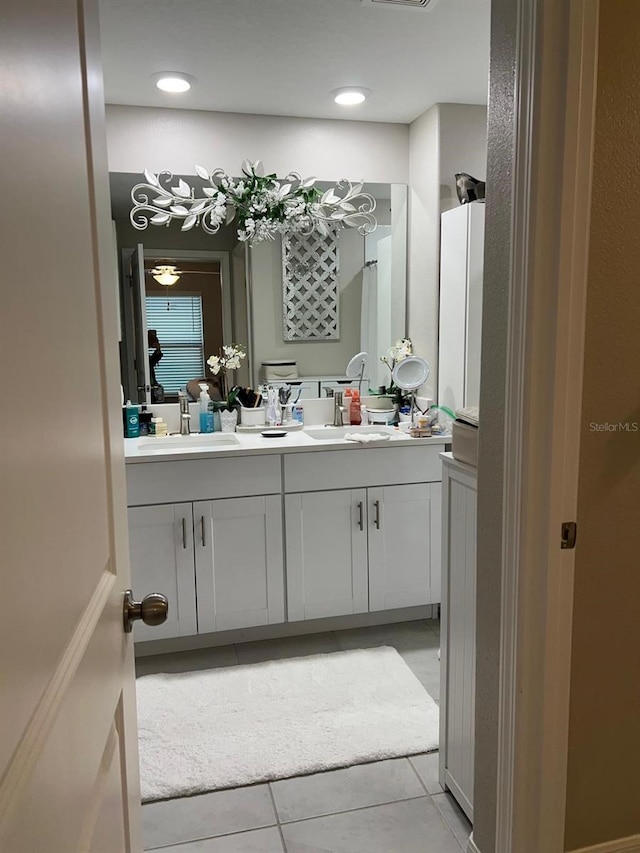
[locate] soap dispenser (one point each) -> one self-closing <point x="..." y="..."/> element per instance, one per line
<point x="207" y="422"/>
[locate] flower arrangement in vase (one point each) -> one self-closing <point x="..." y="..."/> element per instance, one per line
<point x="402" y="349"/>
<point x="229" y="358"/>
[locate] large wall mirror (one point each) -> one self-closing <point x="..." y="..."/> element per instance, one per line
<point x="229" y="292"/>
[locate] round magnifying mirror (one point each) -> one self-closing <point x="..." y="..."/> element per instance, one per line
<point x="410" y="373"/>
<point x="356" y="366"/>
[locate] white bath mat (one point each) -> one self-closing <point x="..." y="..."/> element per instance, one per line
<point x="222" y="728"/>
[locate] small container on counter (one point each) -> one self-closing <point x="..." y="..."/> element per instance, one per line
<point x="158" y="427"/>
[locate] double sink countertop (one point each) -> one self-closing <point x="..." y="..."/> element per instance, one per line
<point x="309" y="439"/>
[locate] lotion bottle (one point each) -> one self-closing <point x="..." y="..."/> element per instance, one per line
<point x="206" y="409"/>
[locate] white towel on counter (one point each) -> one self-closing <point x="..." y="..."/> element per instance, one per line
<point x="366" y="437"/>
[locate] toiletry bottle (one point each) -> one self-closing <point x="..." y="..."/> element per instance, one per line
<point x="206" y="413"/>
<point x="355" y="415"/>
<point x="215" y="417"/>
<point x="272" y="413"/>
<point x="132" y="420"/>
<point x="298" y="413"/>
<point x="145" y="421"/>
<point x="347" y="397"/>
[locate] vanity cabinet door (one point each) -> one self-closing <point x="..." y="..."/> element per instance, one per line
<point x="161" y="552"/>
<point x="326" y="554"/>
<point x="403" y="545"/>
<point x="239" y="562"/>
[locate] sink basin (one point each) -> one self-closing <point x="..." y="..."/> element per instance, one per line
<point x="180" y="442"/>
<point x="338" y="433"/>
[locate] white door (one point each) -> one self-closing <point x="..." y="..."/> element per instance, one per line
<point x="326" y="554"/>
<point x="68" y="759"/>
<point x="400" y="537"/>
<point x="161" y="554"/>
<point x="138" y="284"/>
<point x="239" y="562"/>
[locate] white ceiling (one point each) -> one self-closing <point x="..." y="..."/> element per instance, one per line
<point x="283" y="57"/>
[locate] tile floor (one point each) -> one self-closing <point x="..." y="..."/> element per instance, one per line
<point x="394" y="806"/>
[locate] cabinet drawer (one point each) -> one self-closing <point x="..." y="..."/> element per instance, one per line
<point x="202" y="479"/>
<point x="339" y="469"/>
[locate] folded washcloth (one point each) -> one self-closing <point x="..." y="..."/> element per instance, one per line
<point x="366" y="437"/>
<point x="470" y="415"/>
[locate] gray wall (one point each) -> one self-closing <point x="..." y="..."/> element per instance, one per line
<point x="141" y="138"/>
<point x="313" y="358"/>
<point x="448" y="138"/>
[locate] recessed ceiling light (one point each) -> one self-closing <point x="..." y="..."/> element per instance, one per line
<point x="349" y="96"/>
<point x="173" y="81"/>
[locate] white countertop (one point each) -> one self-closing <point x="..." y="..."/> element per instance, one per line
<point x="248" y="444"/>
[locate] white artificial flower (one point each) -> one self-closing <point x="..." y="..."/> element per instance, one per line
<point x="214" y="363"/>
<point x="402" y="349"/>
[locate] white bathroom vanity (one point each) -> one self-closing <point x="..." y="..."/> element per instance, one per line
<point x="242" y="532"/>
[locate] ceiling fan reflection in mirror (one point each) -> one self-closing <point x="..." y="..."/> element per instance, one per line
<point x="168" y="274"/>
<point x="165" y="274"/>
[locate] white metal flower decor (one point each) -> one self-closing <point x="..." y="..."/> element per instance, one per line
<point x="262" y="205"/>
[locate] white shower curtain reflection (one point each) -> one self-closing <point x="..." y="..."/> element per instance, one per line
<point x="376" y="317"/>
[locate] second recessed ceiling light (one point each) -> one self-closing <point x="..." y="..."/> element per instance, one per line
<point x="350" y="96"/>
<point x="174" y="82"/>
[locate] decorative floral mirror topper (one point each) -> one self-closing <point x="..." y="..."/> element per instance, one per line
<point x="262" y="205"/>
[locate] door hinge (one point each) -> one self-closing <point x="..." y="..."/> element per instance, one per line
<point x="568" y="534"/>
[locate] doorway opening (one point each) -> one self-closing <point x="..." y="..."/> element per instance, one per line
<point x="356" y="564"/>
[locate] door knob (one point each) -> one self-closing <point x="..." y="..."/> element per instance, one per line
<point x="153" y="609"/>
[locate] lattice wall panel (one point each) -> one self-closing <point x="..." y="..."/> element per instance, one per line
<point x="310" y="302"/>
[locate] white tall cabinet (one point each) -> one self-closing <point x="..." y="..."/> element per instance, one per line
<point x="458" y="630"/>
<point x="461" y="272"/>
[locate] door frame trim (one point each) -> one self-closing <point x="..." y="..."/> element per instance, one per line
<point x="549" y="241"/>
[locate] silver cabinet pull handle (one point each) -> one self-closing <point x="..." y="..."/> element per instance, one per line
<point x="184" y="533"/>
<point x="361" y="515"/>
<point x="376" y="520"/>
<point x="202" y="529"/>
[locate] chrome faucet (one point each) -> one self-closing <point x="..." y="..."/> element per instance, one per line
<point x="185" y="414"/>
<point x="339" y="410"/>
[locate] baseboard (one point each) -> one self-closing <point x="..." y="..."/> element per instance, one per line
<point x="621" y="845"/>
<point x="472" y="847"/>
<point x="285" y="629"/>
